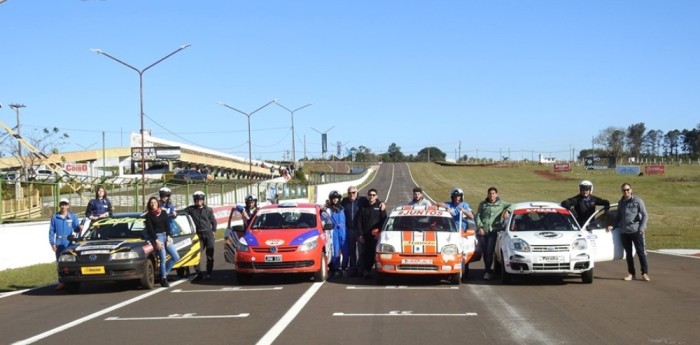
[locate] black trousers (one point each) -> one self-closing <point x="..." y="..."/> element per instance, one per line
<point x="206" y="240"/>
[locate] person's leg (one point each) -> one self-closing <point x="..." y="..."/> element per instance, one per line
<point x="174" y="257"/>
<point x="638" y="242"/>
<point x="210" y="252"/>
<point x="627" y="245"/>
<point x="489" y="248"/>
<point x="162" y="256"/>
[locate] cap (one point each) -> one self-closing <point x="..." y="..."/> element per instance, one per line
<point x="64" y="201"/>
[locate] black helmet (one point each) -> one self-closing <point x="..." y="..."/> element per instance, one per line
<point x="198" y="195"/>
<point x="165" y="191"/>
<point x="334" y="194"/>
<point x="250" y="198"/>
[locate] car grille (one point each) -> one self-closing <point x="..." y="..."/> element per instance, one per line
<point x="280" y="249"/>
<point x="101" y="258"/>
<point x="551" y="267"/>
<point x="275" y="265"/>
<point x="552" y="248"/>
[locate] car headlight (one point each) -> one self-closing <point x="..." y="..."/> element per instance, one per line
<point x="309" y="245"/>
<point x="242" y="245"/>
<point x="580" y="244"/>
<point x="67" y="258"/>
<point x="450" y="249"/>
<point x="519" y="245"/>
<point x="385" y="248"/>
<point x="124" y="255"/>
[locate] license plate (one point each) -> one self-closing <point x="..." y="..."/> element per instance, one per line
<point x="417" y="261"/>
<point x="92" y="270"/>
<point x="551" y="259"/>
<point x="273" y="258"/>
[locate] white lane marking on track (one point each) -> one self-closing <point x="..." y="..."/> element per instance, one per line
<point x="402" y="313"/>
<point x="391" y="183"/>
<point x="510" y="317"/>
<point x="288" y="317"/>
<point x="402" y="287"/>
<point x="230" y="289"/>
<point x="92" y="316"/>
<point x="187" y="316"/>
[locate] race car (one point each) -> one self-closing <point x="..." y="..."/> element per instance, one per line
<point x="543" y="238"/>
<point x="423" y="240"/>
<point x="116" y="249"/>
<point x="283" y="238"/>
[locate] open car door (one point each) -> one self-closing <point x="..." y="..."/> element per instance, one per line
<point x="607" y="245"/>
<point x="234" y="231"/>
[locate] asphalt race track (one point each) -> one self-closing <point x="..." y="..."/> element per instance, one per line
<point x="292" y="310"/>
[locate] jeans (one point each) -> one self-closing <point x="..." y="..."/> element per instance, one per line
<point x="636" y="239"/>
<point x="488" y="247"/>
<point x="166" y="266"/>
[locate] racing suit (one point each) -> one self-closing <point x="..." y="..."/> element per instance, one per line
<point x="205" y="223"/>
<point x="96" y="207"/>
<point x="370" y="217"/>
<point x="489" y="215"/>
<point x="60" y="228"/>
<point x="335" y="214"/>
<point x="584" y="208"/>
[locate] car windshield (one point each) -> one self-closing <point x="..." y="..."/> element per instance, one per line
<point x="122" y="227"/>
<point x="420" y="223"/>
<point x="285" y="219"/>
<point x="537" y="221"/>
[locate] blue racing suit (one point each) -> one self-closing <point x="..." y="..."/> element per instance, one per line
<point x="59" y="230"/>
<point x="336" y="215"/>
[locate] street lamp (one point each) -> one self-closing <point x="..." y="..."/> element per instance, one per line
<point x="17" y="107"/>
<point x="294" y="150"/>
<point x="324" y="139"/>
<point x="250" y="148"/>
<point x="141" y="72"/>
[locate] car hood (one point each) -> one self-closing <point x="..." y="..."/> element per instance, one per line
<point x="282" y="237"/>
<point x="546" y="237"/>
<point x="111" y="246"/>
<point x="423" y="242"/>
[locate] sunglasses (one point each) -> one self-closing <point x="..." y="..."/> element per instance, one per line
<point x="371" y="194"/>
<point x="626" y="189"/>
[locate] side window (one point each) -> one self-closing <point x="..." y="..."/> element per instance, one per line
<point x="604" y="219"/>
<point x="181" y="226"/>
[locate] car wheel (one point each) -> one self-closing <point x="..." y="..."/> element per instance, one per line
<point x="149" y="275"/>
<point x="322" y="273"/>
<point x="183" y="272"/>
<point x="72" y="287"/>
<point x="456" y="278"/>
<point x="506" y="277"/>
<point x="587" y="277"/>
<point x="244" y="278"/>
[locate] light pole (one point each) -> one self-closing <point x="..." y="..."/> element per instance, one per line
<point x="250" y="147"/>
<point x="141" y="72"/>
<point x="17" y="107"/>
<point x="324" y="139"/>
<point x="294" y="151"/>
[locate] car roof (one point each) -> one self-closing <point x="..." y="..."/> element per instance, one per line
<point x="290" y="205"/>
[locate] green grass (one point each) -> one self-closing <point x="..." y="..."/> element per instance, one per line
<point x="41" y="274"/>
<point x="671" y="199"/>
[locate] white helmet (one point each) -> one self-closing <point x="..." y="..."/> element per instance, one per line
<point x="165" y="191"/>
<point x="585" y="184"/>
<point x="198" y="195"/>
<point x="457" y="191"/>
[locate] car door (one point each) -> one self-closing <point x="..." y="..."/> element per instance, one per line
<point x="185" y="241"/>
<point x="607" y="245"/>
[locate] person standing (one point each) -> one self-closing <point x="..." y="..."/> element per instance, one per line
<point x="63" y="224"/>
<point x="369" y="221"/>
<point x="205" y="223"/>
<point x="488" y="215"/>
<point x="632" y="220"/>
<point x="583" y="204"/>
<point x="351" y="206"/>
<point x="100" y="206"/>
<point x="418" y="198"/>
<point x="333" y="212"/>
<point x="159" y="231"/>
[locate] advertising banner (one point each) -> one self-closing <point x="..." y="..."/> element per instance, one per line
<point x="562" y="167"/>
<point x="655" y="169"/>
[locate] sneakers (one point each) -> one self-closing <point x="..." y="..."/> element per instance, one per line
<point x="60" y="286"/>
<point x="645" y="277"/>
<point x="164" y="282"/>
<point x="629" y="277"/>
<point x="487" y="276"/>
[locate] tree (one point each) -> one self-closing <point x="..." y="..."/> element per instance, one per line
<point x="612" y="140"/>
<point x="635" y="134"/>
<point x="672" y="141"/>
<point x="394" y="154"/>
<point x="430" y="154"/>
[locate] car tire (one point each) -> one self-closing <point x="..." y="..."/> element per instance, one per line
<point x="456" y="278"/>
<point x="322" y="273"/>
<point x="244" y="278"/>
<point x="149" y="275"/>
<point x="587" y="277"/>
<point x="506" y="278"/>
<point x="183" y="272"/>
<point x="72" y="287"/>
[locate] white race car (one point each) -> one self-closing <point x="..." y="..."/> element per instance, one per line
<point x="542" y="238"/>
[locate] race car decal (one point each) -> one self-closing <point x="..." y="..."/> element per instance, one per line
<point x="183" y="243"/>
<point x="101" y="251"/>
<point x="274" y="242"/>
<point x="305" y="236"/>
<point x="102" y="245"/>
<point x="191" y="258"/>
<point x="118" y="220"/>
<point x="541" y="210"/>
<point x="421" y="213"/>
<point x="250" y="240"/>
<point x="419" y="242"/>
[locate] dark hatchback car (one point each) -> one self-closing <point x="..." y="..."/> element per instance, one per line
<point x="189" y="175"/>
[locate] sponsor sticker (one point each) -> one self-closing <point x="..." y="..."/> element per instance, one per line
<point x="88" y="252"/>
<point x="417" y="261"/>
<point x="92" y="270"/>
<point x="274" y="242"/>
<point x="419" y="243"/>
<point x="550" y="259"/>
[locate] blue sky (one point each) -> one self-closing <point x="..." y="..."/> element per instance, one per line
<point x="525" y="77"/>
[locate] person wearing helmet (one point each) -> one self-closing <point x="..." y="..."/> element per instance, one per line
<point x="460" y="210"/>
<point x="205" y="223"/>
<point x="165" y="203"/>
<point x="583" y="205"/>
<point x="249" y="210"/>
<point x="333" y="212"/>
